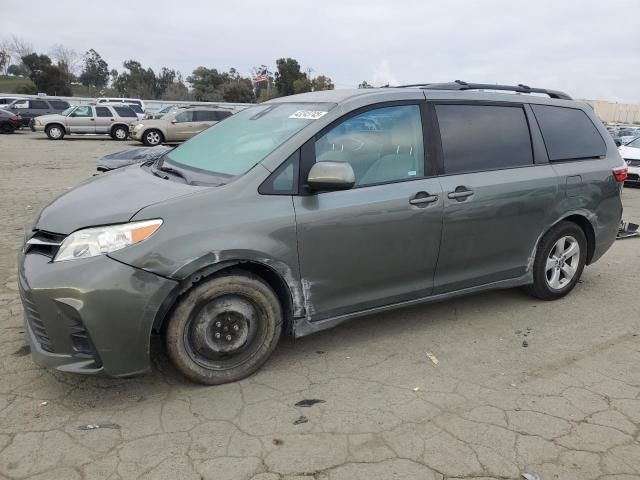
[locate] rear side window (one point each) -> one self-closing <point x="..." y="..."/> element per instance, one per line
<point x="185" y="117"/>
<point x="483" y="137"/>
<point x="125" y="112"/>
<point x="59" y="104"/>
<point x="206" y="116"/>
<point x="39" y="105"/>
<point x="568" y="133"/>
<point x="103" y="112"/>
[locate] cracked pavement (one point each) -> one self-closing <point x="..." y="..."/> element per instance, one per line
<point x="565" y="407"/>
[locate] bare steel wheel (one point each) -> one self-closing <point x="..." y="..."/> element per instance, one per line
<point x="560" y="259"/>
<point x="224" y="329"/>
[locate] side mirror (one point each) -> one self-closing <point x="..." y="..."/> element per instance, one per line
<point x="331" y="176"/>
<point x="618" y="142"/>
<point x="173" y="121"/>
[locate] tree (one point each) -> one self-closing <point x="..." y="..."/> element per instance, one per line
<point x="322" y="82"/>
<point x="48" y="78"/>
<point x="288" y="72"/>
<point x="67" y="58"/>
<point x="5" y="56"/>
<point x="18" y="70"/>
<point x="95" y="71"/>
<point x="365" y="84"/>
<point x="19" y="47"/>
<point x="302" y="84"/>
<point x="137" y="82"/>
<point x="238" y="92"/>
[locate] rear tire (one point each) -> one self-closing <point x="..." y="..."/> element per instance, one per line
<point x="119" y="132"/>
<point x="55" y="132"/>
<point x="6" y="128"/>
<point x="560" y="259"/>
<point x="152" y="137"/>
<point x="223" y="330"/>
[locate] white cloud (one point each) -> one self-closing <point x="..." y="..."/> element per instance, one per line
<point x="382" y="75"/>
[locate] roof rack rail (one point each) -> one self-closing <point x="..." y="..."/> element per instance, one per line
<point x="460" y="85"/>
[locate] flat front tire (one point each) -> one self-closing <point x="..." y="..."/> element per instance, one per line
<point x="224" y="329"/>
<point x="560" y="259"/>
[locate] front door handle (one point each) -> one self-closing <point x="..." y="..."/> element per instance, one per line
<point x="460" y="194"/>
<point x="422" y="199"/>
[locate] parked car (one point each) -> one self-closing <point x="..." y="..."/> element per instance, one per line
<point x="302" y="212"/>
<point x="137" y="101"/>
<point x="178" y="126"/>
<point x="130" y="156"/>
<point x="165" y="111"/>
<point x="9" y="121"/>
<point x="631" y="155"/>
<point x="83" y="119"/>
<point x="4" y="101"/>
<point x="29" y="108"/>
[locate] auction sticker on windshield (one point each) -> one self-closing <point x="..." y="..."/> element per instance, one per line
<point x="308" y="114"/>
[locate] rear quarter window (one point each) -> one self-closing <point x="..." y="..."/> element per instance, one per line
<point x="38" y="105"/>
<point x="483" y="137"/>
<point x="125" y="112"/>
<point x="568" y="133"/>
<point x="59" y="104"/>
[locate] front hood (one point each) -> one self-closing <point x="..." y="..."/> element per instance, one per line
<point x="630" y="152"/>
<point x="48" y="118"/>
<point x="114" y="197"/>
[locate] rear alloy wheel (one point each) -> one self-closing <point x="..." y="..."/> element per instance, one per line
<point x="559" y="262"/>
<point x="120" y="133"/>
<point x="151" y="138"/>
<point x="224" y="329"/>
<point x="55" y="132"/>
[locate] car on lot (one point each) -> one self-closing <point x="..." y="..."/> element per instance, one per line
<point x="178" y="126"/>
<point x="4" y="101"/>
<point x="9" y="121"/>
<point x="87" y="119"/>
<point x="302" y="212"/>
<point x="29" y="108"/>
<point x="631" y="155"/>
<point x="135" y="101"/>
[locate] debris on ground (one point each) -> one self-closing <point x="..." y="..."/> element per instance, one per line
<point x="531" y="476"/>
<point x="525" y="344"/>
<point x="300" y="419"/>
<point x="309" y="402"/>
<point x="416" y="389"/>
<point x="433" y="358"/>
<point x="43" y="404"/>
<point x="627" y="230"/>
<point x="320" y="352"/>
<point x="277" y="441"/>
<point x="95" y="426"/>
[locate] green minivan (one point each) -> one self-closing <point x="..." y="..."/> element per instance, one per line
<point x="303" y="212"/>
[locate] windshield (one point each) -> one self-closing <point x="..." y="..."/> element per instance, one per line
<point x="234" y="146"/>
<point x="635" y="143"/>
<point x="67" y="111"/>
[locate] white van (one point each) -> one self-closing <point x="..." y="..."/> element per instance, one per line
<point x="135" y="101"/>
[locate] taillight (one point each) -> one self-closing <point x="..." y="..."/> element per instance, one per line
<point x="620" y="173"/>
<point x="14" y="117"/>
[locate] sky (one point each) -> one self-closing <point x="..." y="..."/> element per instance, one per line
<point x="587" y="48"/>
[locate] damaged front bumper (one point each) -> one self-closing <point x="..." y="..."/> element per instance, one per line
<point x="91" y="316"/>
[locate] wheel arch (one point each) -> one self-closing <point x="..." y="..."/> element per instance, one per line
<point x="61" y="125"/>
<point x="587" y="227"/>
<point x="286" y="289"/>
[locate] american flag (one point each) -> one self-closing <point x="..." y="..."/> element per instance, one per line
<point x="261" y="75"/>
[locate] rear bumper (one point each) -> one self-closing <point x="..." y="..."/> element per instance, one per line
<point x="91" y="316"/>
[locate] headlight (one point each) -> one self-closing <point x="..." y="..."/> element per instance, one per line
<point x="91" y="242"/>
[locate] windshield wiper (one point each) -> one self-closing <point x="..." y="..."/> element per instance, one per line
<point x="160" y="166"/>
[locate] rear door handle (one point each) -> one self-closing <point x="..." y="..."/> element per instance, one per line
<point x="422" y="199"/>
<point x="460" y="194"/>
